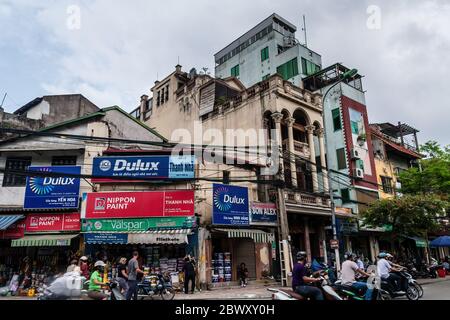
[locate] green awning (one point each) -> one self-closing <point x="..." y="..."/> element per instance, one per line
<point x="420" y="242"/>
<point x="49" y="240"/>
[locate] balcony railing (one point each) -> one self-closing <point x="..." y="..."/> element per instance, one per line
<point x="295" y="197"/>
<point x="300" y="148"/>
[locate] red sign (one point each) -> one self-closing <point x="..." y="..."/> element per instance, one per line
<point x="14" y="231"/>
<point x="139" y="204"/>
<point x="53" y="222"/>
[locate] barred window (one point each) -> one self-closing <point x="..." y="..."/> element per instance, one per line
<point x="12" y="180"/>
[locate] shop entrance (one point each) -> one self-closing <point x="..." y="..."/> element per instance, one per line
<point x="245" y="253"/>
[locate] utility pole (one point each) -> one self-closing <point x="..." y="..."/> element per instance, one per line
<point x="4" y="97"/>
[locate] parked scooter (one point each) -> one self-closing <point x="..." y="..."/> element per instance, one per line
<point x="156" y="285"/>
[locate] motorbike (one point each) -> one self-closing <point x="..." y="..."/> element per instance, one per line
<point x="156" y="285"/>
<point x="412" y="290"/>
<point x="351" y="293"/>
<point x="324" y="285"/>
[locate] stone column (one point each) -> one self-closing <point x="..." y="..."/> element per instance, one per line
<point x="277" y="117"/>
<point x="306" y="236"/>
<point x="290" y="122"/>
<point x="312" y="157"/>
<point x="323" y="161"/>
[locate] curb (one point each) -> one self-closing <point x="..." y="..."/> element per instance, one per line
<point x="431" y="281"/>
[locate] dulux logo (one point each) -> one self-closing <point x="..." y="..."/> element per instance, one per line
<point x="46" y="185"/>
<point x="223" y="201"/>
<point x="124" y="165"/>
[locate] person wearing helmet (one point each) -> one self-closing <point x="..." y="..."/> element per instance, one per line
<point x="84" y="267"/>
<point x="96" y="283"/>
<point x="384" y="269"/>
<point x="348" y="275"/>
<point x="300" y="281"/>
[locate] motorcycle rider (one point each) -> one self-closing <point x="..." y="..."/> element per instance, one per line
<point x="96" y="283"/>
<point x="300" y="280"/>
<point x="384" y="270"/>
<point x="348" y="275"/>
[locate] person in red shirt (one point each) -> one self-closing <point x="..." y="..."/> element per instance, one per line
<point x="84" y="267"/>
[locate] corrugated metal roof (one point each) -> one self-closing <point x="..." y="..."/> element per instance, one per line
<point x="6" y="221"/>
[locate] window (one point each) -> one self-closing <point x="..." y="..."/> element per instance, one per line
<point x="289" y="69"/>
<point x="386" y="182"/>
<point x="309" y="67"/>
<point x="64" y="160"/>
<point x="354" y="126"/>
<point x="162" y="95"/>
<point x="342" y="163"/>
<point x="345" y="194"/>
<point x="318" y="164"/>
<point x="12" y="180"/>
<point x="167" y="93"/>
<point x="266" y="77"/>
<point x="265" y="54"/>
<point x="336" y="119"/>
<point x="158" y="99"/>
<point x="235" y="71"/>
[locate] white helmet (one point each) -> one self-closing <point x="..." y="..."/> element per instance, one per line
<point x="99" y="263"/>
<point x="84" y="258"/>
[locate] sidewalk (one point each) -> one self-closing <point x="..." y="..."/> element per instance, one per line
<point x="430" y="281"/>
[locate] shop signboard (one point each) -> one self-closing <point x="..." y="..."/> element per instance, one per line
<point x="263" y="213"/>
<point x="230" y="205"/>
<point x="136" y="225"/>
<point x="149" y="167"/>
<point x="107" y="205"/>
<point x="53" y="192"/>
<point x="52" y="222"/>
<point x="14" y="231"/>
<point x="105" y="238"/>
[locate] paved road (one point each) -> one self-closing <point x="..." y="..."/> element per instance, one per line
<point x="436" y="291"/>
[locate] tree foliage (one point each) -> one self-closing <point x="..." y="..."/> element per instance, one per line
<point x="408" y="215"/>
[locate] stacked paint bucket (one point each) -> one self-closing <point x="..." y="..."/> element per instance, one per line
<point x="227" y="266"/>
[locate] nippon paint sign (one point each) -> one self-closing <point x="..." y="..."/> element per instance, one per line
<point x="53" y="192"/>
<point x="140" y="167"/>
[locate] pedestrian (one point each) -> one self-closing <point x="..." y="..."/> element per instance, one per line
<point x="243" y="275"/>
<point x="122" y="275"/>
<point x="73" y="267"/>
<point x="133" y="271"/>
<point x="189" y="274"/>
<point x="84" y="267"/>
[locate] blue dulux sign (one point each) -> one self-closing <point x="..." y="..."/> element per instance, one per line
<point x="153" y="167"/>
<point x="230" y="205"/>
<point x="53" y="192"/>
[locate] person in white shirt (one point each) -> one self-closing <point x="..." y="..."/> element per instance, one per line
<point x="384" y="269"/>
<point x="348" y="274"/>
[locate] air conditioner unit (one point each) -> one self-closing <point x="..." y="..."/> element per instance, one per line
<point x="355" y="154"/>
<point x="358" y="173"/>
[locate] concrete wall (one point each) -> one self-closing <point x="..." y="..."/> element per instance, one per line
<point x="252" y="69"/>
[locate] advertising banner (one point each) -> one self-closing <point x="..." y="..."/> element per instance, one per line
<point x="112" y="238"/>
<point x="263" y="213"/>
<point x="135" y="225"/>
<point x="14" y="231"/>
<point x="52" y="222"/>
<point x="155" y="238"/>
<point x="230" y="205"/>
<point x="106" y="205"/>
<point x="152" y="167"/>
<point x="53" y="192"/>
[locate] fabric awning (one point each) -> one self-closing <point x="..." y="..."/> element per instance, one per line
<point x="6" y="221"/>
<point x="50" y="240"/>
<point x="443" y="241"/>
<point x="256" y="235"/>
<point x="420" y="242"/>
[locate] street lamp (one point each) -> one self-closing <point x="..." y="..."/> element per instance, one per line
<point x="347" y="75"/>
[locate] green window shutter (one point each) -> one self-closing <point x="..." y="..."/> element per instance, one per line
<point x="265" y="54"/>
<point x="235" y="71"/>
<point x="345" y="194"/>
<point x="354" y="126"/>
<point x="266" y="77"/>
<point x="294" y="67"/>
<point x="336" y="119"/>
<point x="282" y="71"/>
<point x="304" y="67"/>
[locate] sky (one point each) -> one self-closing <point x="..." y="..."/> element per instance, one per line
<point x="112" y="51"/>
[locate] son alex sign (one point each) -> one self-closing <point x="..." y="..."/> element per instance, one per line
<point x="105" y="205"/>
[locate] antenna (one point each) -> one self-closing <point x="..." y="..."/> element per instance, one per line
<point x="4" y="97"/>
<point x="304" y="30"/>
<point x="178" y="61"/>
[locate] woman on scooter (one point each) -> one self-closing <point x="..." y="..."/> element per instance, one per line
<point x="96" y="283"/>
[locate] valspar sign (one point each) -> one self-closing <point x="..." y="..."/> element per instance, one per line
<point x="53" y="192"/>
<point x="230" y="205"/>
<point x="151" y="167"/>
<point x="105" y="205"/>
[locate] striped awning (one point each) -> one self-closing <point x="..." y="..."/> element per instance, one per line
<point x="256" y="235"/>
<point x="50" y="240"/>
<point x="175" y="236"/>
<point x="6" y="221"/>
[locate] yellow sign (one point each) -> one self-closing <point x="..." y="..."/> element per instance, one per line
<point x="343" y="210"/>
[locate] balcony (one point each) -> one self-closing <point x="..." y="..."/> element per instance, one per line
<point x="301" y="149"/>
<point x="304" y="199"/>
